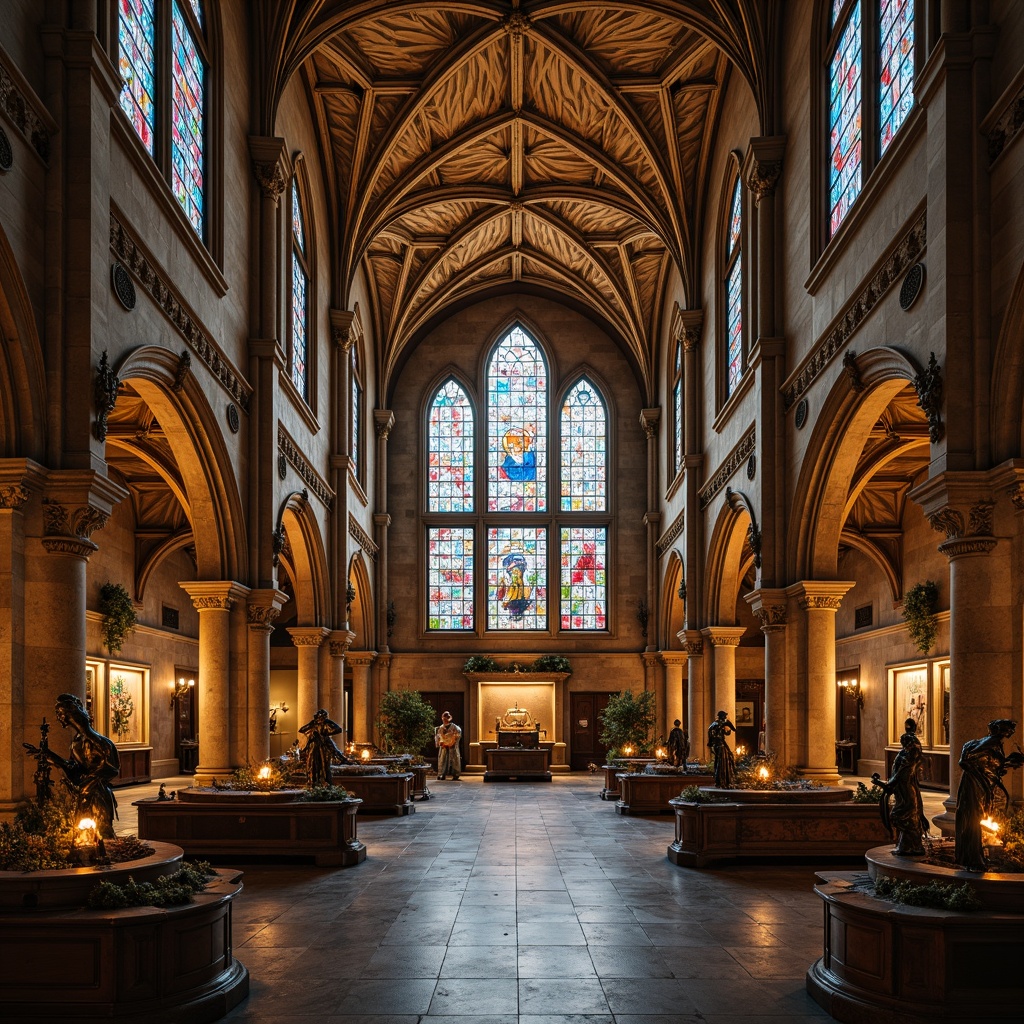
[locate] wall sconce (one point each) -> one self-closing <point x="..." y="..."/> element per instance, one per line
<point x="852" y="686"/>
<point x="180" y="688"/>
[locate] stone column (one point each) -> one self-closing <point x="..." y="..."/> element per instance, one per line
<point x="338" y="643"/>
<point x="698" y="697"/>
<point x="262" y="609"/>
<point x="384" y="421"/>
<point x="214" y="599"/>
<point x="343" y="336"/>
<point x="769" y="608"/>
<point x="649" y="419"/>
<point x="363" y="711"/>
<point x="654" y="679"/>
<point x="308" y="640"/>
<point x="692" y="322"/>
<point x="723" y="640"/>
<point x="818" y="600"/>
<point x="674" y="661"/>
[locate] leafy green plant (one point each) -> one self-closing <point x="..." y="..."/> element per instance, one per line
<point x="321" y="794"/>
<point x="934" y="894"/>
<point x="167" y="891"/>
<point x="863" y="795"/>
<point x="405" y="721"/>
<point x="628" y="721"/>
<point x="1013" y="840"/>
<point x="695" y="795"/>
<point x="480" y="663"/>
<point x="919" y="604"/>
<point x="551" y="663"/>
<point x="118" y="615"/>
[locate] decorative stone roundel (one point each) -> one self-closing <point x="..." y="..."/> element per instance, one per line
<point x="911" y="287"/>
<point x="282" y="466"/>
<point x="123" y="287"/>
<point x="801" y="413"/>
<point x="6" y="152"/>
<point x="751" y="467"/>
<point x="233" y="417"/>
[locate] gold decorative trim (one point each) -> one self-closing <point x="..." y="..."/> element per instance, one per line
<point x="362" y="538"/>
<point x="316" y="483"/>
<point x="131" y="253"/>
<point x="736" y="458"/>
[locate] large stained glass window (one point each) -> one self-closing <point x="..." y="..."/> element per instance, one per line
<point x="187" y="120"/>
<point x="845" y="114"/>
<point x="450" y="439"/>
<point x="300" y="297"/>
<point x="450" y="577"/>
<point x="677" y="410"/>
<point x="517" y="394"/>
<point x="136" y="35"/>
<point x="356" y="447"/>
<point x="584" y="450"/>
<point x="583" y="597"/>
<point x="896" y="67"/>
<point x="734" y="292"/>
<point x="517" y="573"/>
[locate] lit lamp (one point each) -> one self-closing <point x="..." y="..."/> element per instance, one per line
<point x="628" y="750"/>
<point x="990" y="831"/>
<point x="661" y="754"/>
<point x="763" y="772"/>
<point x="180" y="688"/>
<point x="264" y="772"/>
<point x="365" y="755"/>
<point x="85" y="841"/>
<point x="852" y="686"/>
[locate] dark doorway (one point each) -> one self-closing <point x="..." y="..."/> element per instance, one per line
<point x="584" y="714"/>
<point x="186" y="724"/>
<point x="848" y="743"/>
<point x="749" y="719"/>
<point x="442" y="701"/>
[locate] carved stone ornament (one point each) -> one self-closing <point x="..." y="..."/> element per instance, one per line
<point x="691" y="339"/>
<point x="261" y="616"/>
<point x="739" y="502"/>
<point x="516" y="23"/>
<point x="384" y="430"/>
<point x="764" y="176"/>
<point x="270" y="178"/>
<point x="204" y="602"/>
<point x="722" y="640"/>
<point x="852" y="372"/>
<point x="913" y="282"/>
<point x="950" y="521"/>
<point x="13" y="495"/>
<point x="736" y="458"/>
<point x="181" y="374"/>
<point x="339" y="648"/>
<point x="105" y="390"/>
<point x="301" y="638"/>
<point x="124" y="287"/>
<point x="821" y="602"/>
<point x="232" y="417"/>
<point x="694" y="648"/>
<point x="928" y="384"/>
<point x="278" y="540"/>
<point x="772" y="617"/>
<point x="68" y="530"/>
<point x="1016" y="495"/>
<point x="6" y="152"/>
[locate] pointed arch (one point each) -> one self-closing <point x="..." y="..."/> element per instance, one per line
<point x="361" y="618"/>
<point x="450" y="432"/>
<point x="726" y="565"/>
<point x="673" y="604"/>
<point x="584" y="423"/>
<point x="308" y="563"/>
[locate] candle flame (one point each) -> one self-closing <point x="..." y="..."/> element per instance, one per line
<point x="86" y="823"/>
<point x="763" y="772"/>
<point x="991" y="825"/>
<point x="628" y="750"/>
<point x="265" y="772"/>
<point x="365" y="755"/>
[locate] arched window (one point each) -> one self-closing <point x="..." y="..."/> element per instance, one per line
<point x="677" y="409"/>
<point x="534" y="545"/>
<point x="298" y="348"/>
<point x="734" y="349"/>
<point x="865" y="38"/>
<point x="356" y="446"/>
<point x="164" y="61"/>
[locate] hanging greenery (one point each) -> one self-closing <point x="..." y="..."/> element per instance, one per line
<point x="919" y="604"/>
<point x="628" y="721"/>
<point x="480" y="663"/>
<point x="405" y="722"/>
<point x="118" y="615"/>
<point x="551" y="663"/>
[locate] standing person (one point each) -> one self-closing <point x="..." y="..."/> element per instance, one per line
<point x="678" y="745"/>
<point x="725" y="763"/>
<point x="446" y="739"/>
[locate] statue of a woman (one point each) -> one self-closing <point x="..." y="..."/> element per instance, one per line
<point x="321" y="751"/>
<point x="725" y="764"/>
<point x="906" y="814"/>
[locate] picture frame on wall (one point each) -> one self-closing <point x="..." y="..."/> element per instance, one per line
<point x="745" y="714"/>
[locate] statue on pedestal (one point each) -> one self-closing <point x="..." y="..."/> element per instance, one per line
<point x="906" y="814"/>
<point x="678" y="745"/>
<point x="321" y="751"/>
<point x="725" y="763"/>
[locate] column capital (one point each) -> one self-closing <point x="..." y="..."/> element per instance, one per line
<point x="686" y="326"/>
<point x="343" y="328"/>
<point x="216" y="594"/>
<point x="19" y="478"/>
<point x="383" y="421"/>
<point x="76" y="503"/>
<point x="674" y="657"/>
<point x="268" y="164"/>
<point x="820" y="595"/>
<point x="649" y="419"/>
<point x="762" y="165"/>
<point x="339" y="641"/>
<point x="769" y="608"/>
<point x="263" y="606"/>
<point x="723" y="636"/>
<point x="308" y="636"/>
<point x="361" y="659"/>
<point x="692" y="641"/>
<point x="961" y="506"/>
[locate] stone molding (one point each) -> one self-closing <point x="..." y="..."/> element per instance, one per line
<point x="649" y="419"/>
<point x="901" y="255"/>
<point x="362" y="538"/>
<point x="670" y="535"/>
<point x="135" y="257"/>
<point x="820" y="595"/>
<point x="383" y="422"/>
<point x="308" y="636"/>
<point x="345" y="329"/>
<point x="339" y="641"/>
<point x="694" y="648"/>
<point x="674" y="657"/>
<point x="967" y="546"/>
<point x="316" y="483"/>
<point x="361" y="659"/>
<point x="686" y="326"/>
<point x="723" y="636"/>
<point x="219" y="595"/>
<point x="736" y="458"/>
<point x="13" y="495"/>
<point x="23" y="109"/>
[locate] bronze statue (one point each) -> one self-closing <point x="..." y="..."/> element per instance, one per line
<point x="725" y="763"/>
<point x="321" y="751"/>
<point x="984" y="764"/>
<point x="678" y="745"/>
<point x="88" y="772"/>
<point x="906" y="815"/>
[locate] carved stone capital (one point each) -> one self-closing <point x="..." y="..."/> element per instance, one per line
<point x="960" y="546"/>
<point x="216" y="595"/>
<point x="762" y="177"/>
<point x="343" y="330"/>
<point x="694" y="648"/>
<point x="771" y="617"/>
<point x="1015" y="494"/>
<point x="307" y="636"/>
<point x="67" y="528"/>
<point x="723" y="636"/>
<point x="383" y="421"/>
<point x="361" y="659"/>
<point x="339" y="642"/>
<point x="13" y="495"/>
<point x="820" y="595"/>
<point x="69" y="546"/>
<point x="821" y="602"/>
<point x="686" y="326"/>
<point x="649" y="419"/>
<point x="261" y="617"/>
<point x="951" y="521"/>
<point x="269" y="177"/>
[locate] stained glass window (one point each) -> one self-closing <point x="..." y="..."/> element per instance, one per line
<point x="136" y="34"/>
<point x="517" y="426"/>
<point x="187" y="120"/>
<point x="734" y="292"/>
<point x="896" y="64"/>
<point x="517" y="574"/>
<point x="450" y="577"/>
<point x="450" y="439"/>
<point x="300" y="297"/>
<point x="357" y="416"/>
<point x="583" y="600"/>
<point x="844" y="120"/>
<point x="584" y="450"/>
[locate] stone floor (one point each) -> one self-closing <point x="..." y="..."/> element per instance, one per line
<point x="517" y="903"/>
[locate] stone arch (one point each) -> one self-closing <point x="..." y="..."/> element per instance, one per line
<point x="726" y="565"/>
<point x="171" y="390"/>
<point x="847" y="415"/>
<point x="673" y="607"/>
<point x="1007" y="406"/>
<point x="23" y="390"/>
<point x="361" y="617"/>
<point x="307" y="562"/>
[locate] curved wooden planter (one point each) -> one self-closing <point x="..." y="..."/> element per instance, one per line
<point x="248" y="824"/>
<point x="62" y="963"/>
<point x="710" y="832"/>
<point x="650" y="794"/>
<point x="892" y="964"/>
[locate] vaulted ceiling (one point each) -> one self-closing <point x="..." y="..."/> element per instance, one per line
<point x="551" y="146"/>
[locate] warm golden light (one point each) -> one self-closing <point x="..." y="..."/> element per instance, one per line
<point x="741" y="751"/>
<point x="763" y="772"/>
<point x="661" y="753"/>
<point x="365" y="755"/>
<point x="628" y="750"/>
<point x="265" y="772"/>
<point x="991" y="825"/>
<point x="86" y="823"/>
<point x="86" y="833"/>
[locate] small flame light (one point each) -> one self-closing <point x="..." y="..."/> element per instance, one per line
<point x="763" y="772"/>
<point x="86" y="832"/>
<point x="365" y="755"/>
<point x="992" y="827"/>
<point x="265" y="772"/>
<point x="741" y="751"/>
<point x="661" y="753"/>
<point x="628" y="750"/>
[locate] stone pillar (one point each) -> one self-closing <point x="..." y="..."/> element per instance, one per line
<point x="338" y="643"/>
<point x="654" y="679"/>
<point x="308" y="640"/>
<point x="818" y="600"/>
<point x="214" y="601"/>
<point x="692" y="322"/>
<point x="769" y="608"/>
<point x="343" y="335"/>
<point x="262" y="609"/>
<point x="384" y="421"/>
<point x="723" y="640"/>
<point x="698" y="696"/>
<point x="674" y="661"/>
<point x="363" y="710"/>
<point x="649" y="419"/>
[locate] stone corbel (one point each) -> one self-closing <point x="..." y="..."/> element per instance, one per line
<point x="960" y="506"/>
<point x="769" y="608"/>
<point x="762" y="165"/>
<point x="343" y="328"/>
<point x="75" y="505"/>
<point x="268" y="165"/>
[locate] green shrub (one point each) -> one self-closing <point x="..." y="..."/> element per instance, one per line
<point x="321" y="794"/>
<point x="935" y="894"/>
<point x="863" y="795"/>
<point x="118" y="611"/>
<point x="405" y="722"/>
<point x="919" y="604"/>
<point x="481" y="663"/>
<point x="551" y="663"/>
<point x="628" y="720"/>
<point x="168" y="891"/>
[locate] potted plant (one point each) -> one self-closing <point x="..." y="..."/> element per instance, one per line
<point x="118" y="615"/>
<point x="551" y="663"/>
<point x="480" y="663"/>
<point x="919" y="604"/>
<point x="405" y="722"/>
<point x="628" y="722"/>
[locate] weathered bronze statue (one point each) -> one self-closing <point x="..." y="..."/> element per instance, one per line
<point x="678" y="745"/>
<point x="725" y="763"/>
<point x="92" y="765"/>
<point x="905" y="815"/>
<point x="321" y="751"/>
<point x="984" y="764"/>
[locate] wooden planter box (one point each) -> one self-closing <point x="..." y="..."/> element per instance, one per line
<point x="521" y="763"/>
<point x="709" y="832"/>
<point x="419" y="775"/>
<point x="380" y="794"/>
<point x="614" y="769"/>
<point x="254" y="824"/>
<point x="650" y="794"/>
<point x="885" y="963"/>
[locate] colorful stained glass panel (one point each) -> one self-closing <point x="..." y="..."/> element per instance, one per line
<point x="450" y="439"/>
<point x="450" y="578"/>
<point x="298" y="228"/>
<point x="584" y="450"/>
<point x="896" y="62"/>
<point x="517" y="426"/>
<point x="734" y="325"/>
<point x="517" y="572"/>
<point x="136" y="35"/>
<point x="357" y="415"/>
<point x="844" y="120"/>
<point x="300" y="324"/>
<point x="736" y="217"/>
<point x="584" y="591"/>
<point x="677" y="421"/>
<point x="188" y="116"/>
